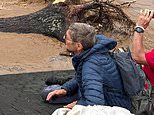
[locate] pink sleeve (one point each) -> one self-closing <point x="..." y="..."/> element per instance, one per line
<point x="150" y="58"/>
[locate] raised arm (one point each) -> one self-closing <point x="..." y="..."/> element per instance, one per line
<point x="143" y="21"/>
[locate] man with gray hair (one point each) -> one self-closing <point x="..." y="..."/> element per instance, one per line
<point x="97" y="80"/>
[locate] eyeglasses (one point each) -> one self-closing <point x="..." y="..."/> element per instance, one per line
<point x="64" y="37"/>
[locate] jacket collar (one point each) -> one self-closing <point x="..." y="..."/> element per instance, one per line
<point x="103" y="45"/>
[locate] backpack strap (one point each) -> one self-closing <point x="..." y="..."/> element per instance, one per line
<point x="111" y="89"/>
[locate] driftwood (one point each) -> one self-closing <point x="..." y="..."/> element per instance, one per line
<point x="55" y="18"/>
<point x="128" y="3"/>
<point x="48" y="21"/>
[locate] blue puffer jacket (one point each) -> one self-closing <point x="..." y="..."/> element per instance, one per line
<point x="97" y="77"/>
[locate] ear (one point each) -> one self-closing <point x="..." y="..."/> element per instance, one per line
<point x="79" y="46"/>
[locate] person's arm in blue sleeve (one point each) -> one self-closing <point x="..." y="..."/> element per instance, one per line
<point x="92" y="84"/>
<point x="70" y="86"/>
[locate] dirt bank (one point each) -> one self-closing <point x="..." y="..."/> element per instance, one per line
<point x="28" y="52"/>
<point x="32" y="52"/>
<point x="133" y="12"/>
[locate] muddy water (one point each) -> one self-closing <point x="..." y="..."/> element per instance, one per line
<point x="30" y="52"/>
<point x="133" y="12"/>
<point x="20" y="53"/>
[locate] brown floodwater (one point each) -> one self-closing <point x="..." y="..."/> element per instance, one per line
<point x="133" y="12"/>
<point x="20" y="53"/>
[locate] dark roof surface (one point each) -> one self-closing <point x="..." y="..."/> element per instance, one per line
<point x="20" y="93"/>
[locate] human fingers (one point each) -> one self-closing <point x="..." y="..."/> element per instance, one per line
<point x="152" y="14"/>
<point x="141" y="18"/>
<point x="142" y="12"/>
<point x="49" y="96"/>
<point x="144" y="18"/>
<point x="147" y="14"/>
<point x="71" y="105"/>
<point x="58" y="92"/>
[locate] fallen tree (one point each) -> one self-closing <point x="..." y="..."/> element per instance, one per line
<point x="54" y="19"/>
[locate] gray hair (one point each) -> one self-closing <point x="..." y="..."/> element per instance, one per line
<point x="83" y="33"/>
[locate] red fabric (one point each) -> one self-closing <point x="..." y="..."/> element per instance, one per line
<point x="146" y="86"/>
<point x="149" y="69"/>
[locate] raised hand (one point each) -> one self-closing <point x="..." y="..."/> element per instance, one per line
<point x="145" y="18"/>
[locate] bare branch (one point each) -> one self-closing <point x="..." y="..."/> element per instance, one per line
<point x="128" y="3"/>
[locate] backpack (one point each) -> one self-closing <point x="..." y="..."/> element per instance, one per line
<point x="134" y="81"/>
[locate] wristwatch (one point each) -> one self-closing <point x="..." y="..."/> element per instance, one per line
<point x="139" y="29"/>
